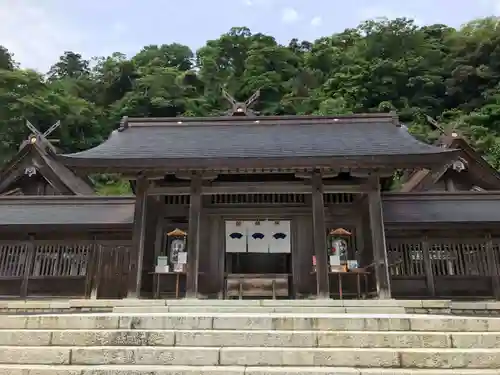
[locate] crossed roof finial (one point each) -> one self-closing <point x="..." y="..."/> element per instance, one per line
<point x="38" y="137"/>
<point x="447" y="133"/>
<point x="241" y="108"/>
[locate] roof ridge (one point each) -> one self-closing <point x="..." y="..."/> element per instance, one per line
<point x="263" y="120"/>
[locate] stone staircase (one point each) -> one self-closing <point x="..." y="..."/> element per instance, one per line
<point x="188" y="337"/>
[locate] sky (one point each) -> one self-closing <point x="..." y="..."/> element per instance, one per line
<point x="39" y="31"/>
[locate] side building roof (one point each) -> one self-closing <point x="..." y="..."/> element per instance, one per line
<point x="373" y="140"/>
<point x="478" y="170"/>
<point x="46" y="213"/>
<point x="50" y="212"/>
<point x="65" y="181"/>
<point x="437" y="207"/>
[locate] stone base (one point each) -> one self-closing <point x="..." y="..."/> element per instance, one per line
<point x="439" y="307"/>
<point x="259" y="343"/>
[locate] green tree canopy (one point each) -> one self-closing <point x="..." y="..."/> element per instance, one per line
<point x="450" y="74"/>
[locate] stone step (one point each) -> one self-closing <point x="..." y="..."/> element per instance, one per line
<point x="249" y="338"/>
<point x="262" y="309"/>
<point x="133" y="302"/>
<point x="225" y="370"/>
<point x="244" y="356"/>
<point x="265" y="321"/>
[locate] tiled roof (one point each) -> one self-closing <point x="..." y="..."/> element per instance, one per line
<point x="183" y="141"/>
<point x="467" y="207"/>
<point x="68" y="210"/>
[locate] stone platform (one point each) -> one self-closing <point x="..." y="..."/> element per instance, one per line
<point x="481" y="308"/>
<point x="188" y="337"/>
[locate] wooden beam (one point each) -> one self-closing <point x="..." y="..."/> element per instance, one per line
<point x="319" y="230"/>
<point x="257" y="188"/>
<point x="378" y="241"/>
<point x="138" y="237"/>
<point x="193" y="250"/>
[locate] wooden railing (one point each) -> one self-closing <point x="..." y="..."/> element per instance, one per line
<point x="445" y="267"/>
<point x="62" y="268"/>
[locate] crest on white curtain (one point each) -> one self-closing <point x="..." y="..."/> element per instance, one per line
<point x="236" y="237"/>
<point x="279" y="241"/>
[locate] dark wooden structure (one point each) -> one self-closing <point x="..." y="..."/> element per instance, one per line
<point x="469" y="171"/>
<point x="309" y="174"/>
<point x="56" y="246"/>
<point x="255" y="207"/>
<point x="35" y="171"/>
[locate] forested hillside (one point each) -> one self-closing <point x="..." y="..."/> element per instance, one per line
<point x="449" y="74"/>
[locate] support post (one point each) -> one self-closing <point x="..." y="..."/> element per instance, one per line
<point x="493" y="266"/>
<point x="93" y="270"/>
<point x="138" y="237"/>
<point x="159" y="236"/>
<point x="193" y="250"/>
<point x="378" y="241"/>
<point x="429" y="274"/>
<point x="320" y="244"/>
<point x="28" y="264"/>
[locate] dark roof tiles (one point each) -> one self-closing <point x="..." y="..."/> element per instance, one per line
<point x="258" y="138"/>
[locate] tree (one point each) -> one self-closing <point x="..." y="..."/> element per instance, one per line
<point x="6" y="59"/>
<point x="380" y="65"/>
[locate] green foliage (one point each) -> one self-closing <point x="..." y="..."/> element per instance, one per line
<point x="379" y="66"/>
<point x="109" y="184"/>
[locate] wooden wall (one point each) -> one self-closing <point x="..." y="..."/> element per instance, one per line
<point x="65" y="264"/>
<point x="340" y="211"/>
<point x="444" y="264"/>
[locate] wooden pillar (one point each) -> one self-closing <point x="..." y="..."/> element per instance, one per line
<point x="138" y="237"/>
<point x="429" y="274"/>
<point x="28" y="264"/>
<point x="378" y="242"/>
<point x="493" y="266"/>
<point x="319" y="237"/>
<point x="93" y="269"/>
<point x="195" y="207"/>
<point x="159" y="236"/>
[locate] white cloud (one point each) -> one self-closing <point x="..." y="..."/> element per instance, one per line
<point x="38" y="32"/>
<point x="35" y="33"/>
<point x="316" y="21"/>
<point x="290" y="15"/>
